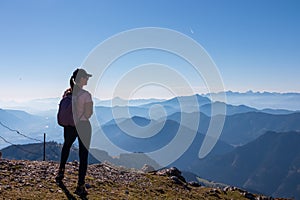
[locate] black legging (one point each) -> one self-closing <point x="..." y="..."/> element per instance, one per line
<point x="70" y="134"/>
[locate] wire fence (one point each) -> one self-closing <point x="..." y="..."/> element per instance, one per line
<point x="18" y="132"/>
<point x="30" y="138"/>
<point x="17" y="146"/>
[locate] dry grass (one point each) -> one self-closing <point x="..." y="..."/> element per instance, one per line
<point x="36" y="180"/>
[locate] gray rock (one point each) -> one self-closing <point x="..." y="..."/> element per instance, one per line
<point x="194" y="184"/>
<point x="173" y="171"/>
<point x="147" y="168"/>
<point x="176" y="180"/>
<point x="249" y="195"/>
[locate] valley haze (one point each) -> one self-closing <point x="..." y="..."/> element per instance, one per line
<point x="246" y="128"/>
<point x="258" y="100"/>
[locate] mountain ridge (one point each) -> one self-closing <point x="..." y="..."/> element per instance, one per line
<point x="270" y="164"/>
<point x="34" y="152"/>
<point x="258" y="100"/>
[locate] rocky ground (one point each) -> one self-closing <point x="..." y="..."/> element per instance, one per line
<point x="36" y="180"/>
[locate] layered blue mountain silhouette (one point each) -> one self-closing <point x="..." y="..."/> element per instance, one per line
<point x="256" y="150"/>
<point x="269" y="164"/>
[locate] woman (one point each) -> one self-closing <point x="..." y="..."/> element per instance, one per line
<point x="82" y="111"/>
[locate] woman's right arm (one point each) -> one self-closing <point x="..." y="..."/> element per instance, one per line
<point x="88" y="109"/>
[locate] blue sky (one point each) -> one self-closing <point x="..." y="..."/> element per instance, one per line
<point x="254" y="44"/>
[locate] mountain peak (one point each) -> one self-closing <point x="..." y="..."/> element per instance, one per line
<point x="29" y="179"/>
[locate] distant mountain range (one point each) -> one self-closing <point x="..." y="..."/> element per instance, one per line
<point x="247" y="148"/>
<point x="34" y="151"/>
<point x="242" y="128"/>
<point x="36" y="125"/>
<point x="169" y="129"/>
<point x="261" y="100"/>
<point x="186" y="104"/>
<point x="14" y="124"/>
<point x="257" y="100"/>
<point x="270" y="164"/>
<point x="242" y="123"/>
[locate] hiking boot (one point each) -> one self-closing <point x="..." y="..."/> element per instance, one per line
<point x="60" y="175"/>
<point x="81" y="191"/>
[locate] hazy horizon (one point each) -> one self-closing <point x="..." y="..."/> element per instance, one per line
<point x="257" y="100"/>
<point x="152" y="97"/>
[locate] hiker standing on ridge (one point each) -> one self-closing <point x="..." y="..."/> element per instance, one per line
<point x="82" y="107"/>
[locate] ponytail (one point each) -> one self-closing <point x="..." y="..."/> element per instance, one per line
<point x="73" y="85"/>
<point x="72" y="82"/>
